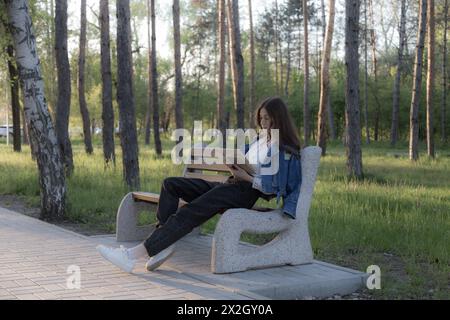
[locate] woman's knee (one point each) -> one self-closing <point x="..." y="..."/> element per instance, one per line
<point x="169" y="182"/>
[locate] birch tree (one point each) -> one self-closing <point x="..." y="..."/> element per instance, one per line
<point x="42" y="131"/>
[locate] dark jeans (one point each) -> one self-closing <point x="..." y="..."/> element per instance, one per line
<point x="205" y="199"/>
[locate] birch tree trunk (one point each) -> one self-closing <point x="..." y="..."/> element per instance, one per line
<point x="107" y="107"/>
<point x="430" y="77"/>
<point x="125" y="97"/>
<point x="81" y="87"/>
<point x="325" y="81"/>
<point x="64" y="89"/>
<point x="42" y="132"/>
<point x="417" y="84"/>
<point x="352" y="113"/>
<point x="398" y="74"/>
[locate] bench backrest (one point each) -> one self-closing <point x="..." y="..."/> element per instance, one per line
<point x="310" y="159"/>
<point x="208" y="172"/>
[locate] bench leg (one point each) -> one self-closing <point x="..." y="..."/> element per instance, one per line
<point x="127" y="228"/>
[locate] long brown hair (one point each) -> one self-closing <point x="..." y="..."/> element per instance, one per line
<point x="281" y="120"/>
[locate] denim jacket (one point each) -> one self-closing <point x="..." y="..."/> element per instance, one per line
<point x="286" y="182"/>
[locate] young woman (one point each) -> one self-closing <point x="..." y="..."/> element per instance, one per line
<point x="206" y="199"/>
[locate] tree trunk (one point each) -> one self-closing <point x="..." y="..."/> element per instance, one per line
<point x="237" y="61"/>
<point x="25" y="136"/>
<point x="366" y="109"/>
<point x="276" y="40"/>
<point x="51" y="56"/>
<point x="15" y="103"/>
<point x="178" y="76"/>
<point x="375" y="72"/>
<point x="109" y="153"/>
<point x="50" y="164"/>
<point x="444" y="77"/>
<point x="430" y="77"/>
<point x="125" y="98"/>
<point x="252" y="69"/>
<point x="352" y="113"/>
<point x="148" y="114"/>
<point x="306" y="110"/>
<point x="417" y="84"/>
<point x="289" y="59"/>
<point x="81" y="87"/>
<point x="64" y="89"/>
<point x="221" y="121"/>
<point x="396" y="94"/>
<point x="153" y="81"/>
<point x="325" y="80"/>
<point x="331" y="124"/>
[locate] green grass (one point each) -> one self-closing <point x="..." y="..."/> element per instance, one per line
<point x="397" y="217"/>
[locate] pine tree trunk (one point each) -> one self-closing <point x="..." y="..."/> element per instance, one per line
<point x="366" y="111"/>
<point x="107" y="107"/>
<point x="178" y="76"/>
<point x="221" y="121"/>
<point x="331" y="125"/>
<point x="252" y="69"/>
<point x="430" y="78"/>
<point x="237" y="61"/>
<point x="276" y="40"/>
<point x="125" y="98"/>
<point x="325" y="80"/>
<point x="352" y="113"/>
<point x="417" y="80"/>
<point x="15" y="103"/>
<point x="154" y="82"/>
<point x="64" y="89"/>
<point x="148" y="114"/>
<point x="306" y="110"/>
<point x="42" y="132"/>
<point x="396" y="94"/>
<point x="289" y="59"/>
<point x="444" y="77"/>
<point x="81" y="87"/>
<point x="375" y="73"/>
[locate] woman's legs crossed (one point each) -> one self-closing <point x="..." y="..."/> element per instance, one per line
<point x="198" y="211"/>
<point x="175" y="188"/>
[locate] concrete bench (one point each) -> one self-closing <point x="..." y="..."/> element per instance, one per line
<point x="291" y="246"/>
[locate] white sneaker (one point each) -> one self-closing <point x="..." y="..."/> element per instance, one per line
<point x="117" y="256"/>
<point x="158" y="259"/>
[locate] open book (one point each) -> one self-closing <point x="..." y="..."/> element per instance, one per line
<point x="235" y="157"/>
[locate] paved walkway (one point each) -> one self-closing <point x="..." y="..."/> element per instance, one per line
<point x="35" y="257"/>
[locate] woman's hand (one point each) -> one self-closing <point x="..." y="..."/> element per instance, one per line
<point x="240" y="174"/>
